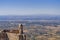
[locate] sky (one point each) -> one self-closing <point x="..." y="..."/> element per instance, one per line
<point x="29" y="7"/>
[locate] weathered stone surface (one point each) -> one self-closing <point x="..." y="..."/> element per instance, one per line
<point x="12" y="36"/>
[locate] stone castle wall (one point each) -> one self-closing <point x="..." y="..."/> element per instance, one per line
<point x="12" y="36"/>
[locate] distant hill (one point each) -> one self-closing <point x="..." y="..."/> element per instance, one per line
<point x="30" y="17"/>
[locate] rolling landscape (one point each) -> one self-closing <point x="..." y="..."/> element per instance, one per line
<point x="35" y="27"/>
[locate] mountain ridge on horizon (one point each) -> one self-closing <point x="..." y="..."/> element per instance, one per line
<point x="29" y="17"/>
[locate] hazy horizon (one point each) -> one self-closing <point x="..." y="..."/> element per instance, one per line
<point x="29" y="7"/>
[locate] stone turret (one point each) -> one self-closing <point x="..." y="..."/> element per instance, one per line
<point x="20" y="29"/>
<point x="21" y="35"/>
